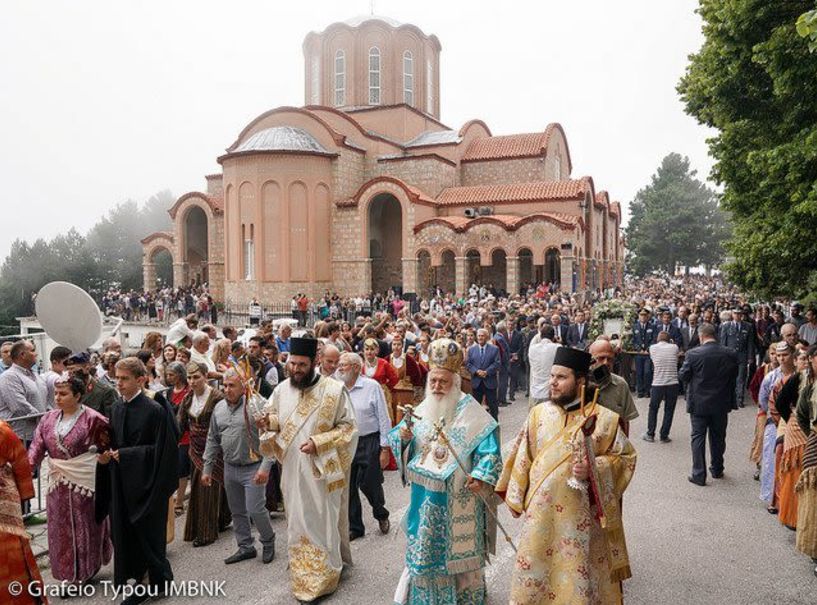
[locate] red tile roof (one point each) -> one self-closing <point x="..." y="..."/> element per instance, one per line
<point x="507" y="221"/>
<point x="507" y="146"/>
<point x="602" y="199"/>
<point x="533" y="191"/>
<point x="526" y="145"/>
<point x="615" y="209"/>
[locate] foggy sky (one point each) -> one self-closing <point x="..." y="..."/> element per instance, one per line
<point x="106" y="100"/>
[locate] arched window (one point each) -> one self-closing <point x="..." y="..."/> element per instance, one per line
<point x="408" y="78"/>
<point x="374" y="76"/>
<point x="340" y="78"/>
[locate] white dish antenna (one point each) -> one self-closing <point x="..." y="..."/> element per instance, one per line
<point x="68" y="315"/>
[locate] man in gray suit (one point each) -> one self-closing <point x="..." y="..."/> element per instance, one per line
<point x="737" y="336"/>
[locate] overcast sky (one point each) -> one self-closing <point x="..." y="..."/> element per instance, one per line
<point x="106" y="100"/>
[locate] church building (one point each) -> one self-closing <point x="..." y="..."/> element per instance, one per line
<point x="364" y="188"/>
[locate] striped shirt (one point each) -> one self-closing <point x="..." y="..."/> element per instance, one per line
<point x="664" y="357"/>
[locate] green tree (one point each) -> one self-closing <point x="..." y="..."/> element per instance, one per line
<point x="807" y="28"/>
<point x="675" y="220"/>
<point x="754" y="81"/>
<point x="111" y="254"/>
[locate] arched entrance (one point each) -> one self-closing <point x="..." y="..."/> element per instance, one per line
<point x="473" y="271"/>
<point x="495" y="275"/>
<point x="195" y="249"/>
<point x="162" y="261"/>
<point x="385" y="231"/>
<point x="425" y="273"/>
<point x="446" y="272"/>
<point x="552" y="265"/>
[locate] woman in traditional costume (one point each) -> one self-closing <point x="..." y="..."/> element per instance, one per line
<point x="16" y="559"/>
<point x="379" y="369"/>
<point x="410" y="377"/>
<point x="806" y="487"/>
<point x="793" y="443"/>
<point x="176" y="380"/>
<point x="760" y="422"/>
<point x="207" y="512"/>
<point x="71" y="435"/>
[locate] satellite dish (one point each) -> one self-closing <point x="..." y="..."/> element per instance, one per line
<point x="68" y="315"/>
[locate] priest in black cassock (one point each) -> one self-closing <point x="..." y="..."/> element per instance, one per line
<point x="142" y="462"/>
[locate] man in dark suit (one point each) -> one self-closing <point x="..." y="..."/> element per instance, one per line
<point x="644" y="335"/>
<point x="516" y="351"/>
<point x="666" y="325"/>
<point x="98" y="395"/>
<point x="559" y="330"/>
<point x="709" y="372"/>
<point x="689" y="334"/>
<point x="483" y="363"/>
<point x="577" y="332"/>
<point x="501" y="341"/>
<point x="738" y="336"/>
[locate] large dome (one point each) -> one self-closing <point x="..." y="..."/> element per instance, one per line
<point x="281" y="138"/>
<point x="360" y="19"/>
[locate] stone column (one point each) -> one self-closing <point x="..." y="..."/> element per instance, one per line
<point x="512" y="274"/>
<point x="179" y="275"/>
<point x="149" y="275"/>
<point x="460" y="276"/>
<point x="566" y="273"/>
<point x="410" y="280"/>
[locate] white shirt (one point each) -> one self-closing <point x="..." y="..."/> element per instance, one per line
<point x="371" y="414"/>
<point x="541" y="353"/>
<point x="664" y="357"/>
<point x="197" y="403"/>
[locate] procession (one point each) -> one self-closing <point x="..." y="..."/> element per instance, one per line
<point x="407" y="347"/>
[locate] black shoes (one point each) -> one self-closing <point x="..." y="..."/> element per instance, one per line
<point x="385" y="526"/>
<point x="268" y="552"/>
<point x="717" y="475"/>
<point x="665" y="440"/>
<point x="695" y="481"/>
<point x="353" y="535"/>
<point x="241" y="555"/>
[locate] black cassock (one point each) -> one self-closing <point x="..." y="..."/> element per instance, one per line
<point x="139" y="487"/>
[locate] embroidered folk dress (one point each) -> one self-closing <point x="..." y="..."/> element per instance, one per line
<point x="565" y="555"/>
<point x="448" y="532"/>
<point x="17" y="563"/>
<point x="313" y="486"/>
<point x="78" y="546"/>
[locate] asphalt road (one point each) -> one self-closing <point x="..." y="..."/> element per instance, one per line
<point x="687" y="544"/>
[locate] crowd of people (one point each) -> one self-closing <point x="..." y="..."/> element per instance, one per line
<point x="158" y="306"/>
<point x="229" y="425"/>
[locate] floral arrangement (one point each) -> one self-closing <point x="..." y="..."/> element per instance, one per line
<point x="627" y="312"/>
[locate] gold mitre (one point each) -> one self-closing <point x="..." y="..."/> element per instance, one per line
<point x="445" y="354"/>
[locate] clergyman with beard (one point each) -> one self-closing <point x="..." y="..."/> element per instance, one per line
<point x="309" y="426"/>
<point x="447" y="524"/>
<point x="538" y="481"/>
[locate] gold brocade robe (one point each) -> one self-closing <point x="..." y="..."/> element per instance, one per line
<point x="565" y="556"/>
<point x="314" y="486"/>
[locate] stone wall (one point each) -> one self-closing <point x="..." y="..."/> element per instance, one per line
<point x="496" y="172"/>
<point x="430" y="175"/>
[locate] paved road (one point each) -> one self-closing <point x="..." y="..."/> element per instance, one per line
<point x="687" y="544"/>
